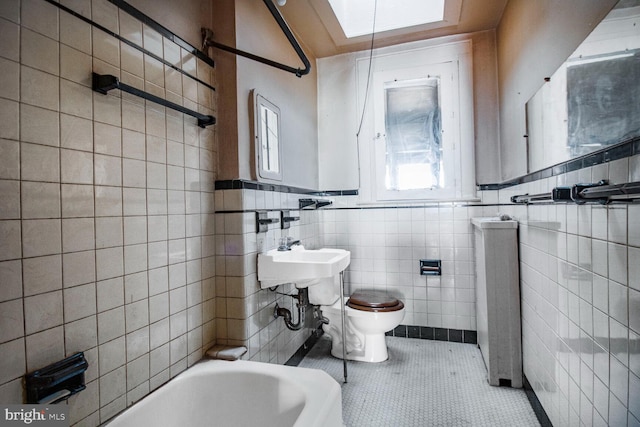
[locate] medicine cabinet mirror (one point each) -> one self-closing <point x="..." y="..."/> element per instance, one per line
<point x="267" y="138"/>
<point x="591" y="101"/>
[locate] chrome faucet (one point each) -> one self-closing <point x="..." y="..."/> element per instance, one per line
<point x="286" y="243"/>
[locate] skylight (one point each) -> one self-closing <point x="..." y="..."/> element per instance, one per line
<point x="356" y="16"/>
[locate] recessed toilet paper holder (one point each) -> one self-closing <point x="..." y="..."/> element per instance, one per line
<point x="430" y="267"/>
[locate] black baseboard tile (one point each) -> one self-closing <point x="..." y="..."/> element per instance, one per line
<point x="413" y="331"/>
<point x="427" y="333"/>
<point x="400" y="331"/>
<point x="442" y="334"/>
<point x="455" y="335"/>
<point x="305" y="348"/>
<point x="470" y="337"/>
<point x="430" y="333"/>
<point x="541" y="414"/>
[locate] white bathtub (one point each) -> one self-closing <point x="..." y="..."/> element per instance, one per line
<point x="239" y="394"/>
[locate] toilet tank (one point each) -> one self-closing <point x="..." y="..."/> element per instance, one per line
<point x="326" y="291"/>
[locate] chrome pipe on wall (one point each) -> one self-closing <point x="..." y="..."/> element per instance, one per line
<point x="207" y="41"/>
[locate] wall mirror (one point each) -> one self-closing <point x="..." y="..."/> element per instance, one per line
<point x="592" y="100"/>
<point x="268" y="143"/>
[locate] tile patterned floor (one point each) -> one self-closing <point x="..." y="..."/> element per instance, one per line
<point x="424" y="383"/>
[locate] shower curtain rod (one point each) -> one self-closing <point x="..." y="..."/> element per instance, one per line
<point x="207" y="35"/>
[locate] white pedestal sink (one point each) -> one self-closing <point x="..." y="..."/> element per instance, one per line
<point x="300" y="266"/>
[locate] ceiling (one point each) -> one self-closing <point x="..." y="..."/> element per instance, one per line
<point x="317" y="29"/>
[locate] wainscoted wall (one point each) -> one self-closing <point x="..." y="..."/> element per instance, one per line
<point x="579" y="281"/>
<point x="580" y="284"/>
<point x="244" y="312"/>
<point x="386" y="244"/>
<point x="106" y="205"/>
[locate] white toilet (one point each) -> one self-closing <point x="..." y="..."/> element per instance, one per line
<point x="368" y="315"/>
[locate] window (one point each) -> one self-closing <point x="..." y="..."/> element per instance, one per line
<point x="420" y="141"/>
<point x="413" y="134"/>
<point x="356" y="16"/>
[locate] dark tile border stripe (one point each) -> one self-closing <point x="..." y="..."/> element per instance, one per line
<point x="305" y="348"/>
<point x="542" y="416"/>
<point x="144" y="18"/>
<point x="402" y="331"/>
<point x="243" y="184"/>
<point x="363" y="208"/>
<point x="618" y="151"/>
<point x="438" y="334"/>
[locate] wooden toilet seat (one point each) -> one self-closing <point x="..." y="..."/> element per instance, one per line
<point x="375" y="301"/>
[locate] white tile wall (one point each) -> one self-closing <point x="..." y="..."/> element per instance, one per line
<point x="578" y="278"/>
<point x="87" y="227"/>
<point x="386" y="244"/>
<point x="244" y="312"/>
<point x="581" y="342"/>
